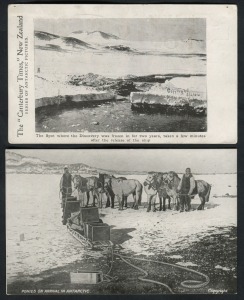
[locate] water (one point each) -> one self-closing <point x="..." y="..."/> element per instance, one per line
<point x="114" y="117"/>
<point x="118" y="116"/>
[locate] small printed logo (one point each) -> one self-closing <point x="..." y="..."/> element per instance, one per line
<point x="215" y="291"/>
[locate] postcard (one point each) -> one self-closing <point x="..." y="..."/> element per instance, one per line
<point x="103" y="222"/>
<point x="115" y="74"/>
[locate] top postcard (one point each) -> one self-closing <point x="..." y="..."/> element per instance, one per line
<point x="122" y="74"/>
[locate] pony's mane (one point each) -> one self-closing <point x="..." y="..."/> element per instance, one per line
<point x="175" y="174"/>
<point x="77" y="175"/>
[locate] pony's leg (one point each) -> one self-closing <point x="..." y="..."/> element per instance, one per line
<point x="169" y="202"/>
<point x="96" y="198"/>
<point x="82" y="199"/>
<point x="125" y="201"/>
<point x="87" y="198"/>
<point x="160" y="203"/>
<point x="174" y="202"/>
<point x="108" y="203"/>
<point x="112" y="201"/>
<point x="136" y="200"/>
<point x="203" y="202"/>
<point x="120" y="199"/>
<point x="100" y="200"/>
<point x="164" y="201"/>
<point x="177" y="203"/>
<point x="149" y="199"/>
<point x="187" y="203"/>
<point x="154" y="203"/>
<point x="201" y="206"/>
<point x="182" y="203"/>
<point x="93" y="198"/>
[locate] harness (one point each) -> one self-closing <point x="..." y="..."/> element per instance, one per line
<point x="152" y="184"/>
<point x="169" y="182"/>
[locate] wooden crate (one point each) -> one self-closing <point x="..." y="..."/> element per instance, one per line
<point x="97" y="232"/>
<point x="86" y="277"/>
<point x="69" y="208"/>
<point x="89" y="214"/>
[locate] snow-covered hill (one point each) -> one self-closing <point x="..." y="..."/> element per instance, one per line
<point x="102" y="41"/>
<point x="16" y="163"/>
<point x="42" y="35"/>
<point x="93" y="36"/>
<point x="14" y="159"/>
<point x="48" y="41"/>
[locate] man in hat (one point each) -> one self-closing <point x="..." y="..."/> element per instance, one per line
<point x="66" y="184"/>
<point x="185" y="188"/>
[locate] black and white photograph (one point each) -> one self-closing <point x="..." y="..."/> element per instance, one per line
<point x="120" y="75"/>
<point x="121" y="221"/>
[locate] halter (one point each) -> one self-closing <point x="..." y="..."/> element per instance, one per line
<point x="169" y="180"/>
<point x="148" y="181"/>
<point x="151" y="184"/>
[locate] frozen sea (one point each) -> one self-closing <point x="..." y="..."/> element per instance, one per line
<point x="33" y="209"/>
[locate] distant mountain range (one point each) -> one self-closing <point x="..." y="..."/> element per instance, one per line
<point x="74" y="41"/>
<point x="48" y="41"/>
<point x="16" y="163"/>
<point x="96" y="34"/>
<point x="20" y="164"/>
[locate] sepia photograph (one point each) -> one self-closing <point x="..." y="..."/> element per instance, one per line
<point x="120" y="75"/>
<point x="121" y="221"/>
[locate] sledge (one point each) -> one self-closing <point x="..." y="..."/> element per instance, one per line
<point x="84" y="224"/>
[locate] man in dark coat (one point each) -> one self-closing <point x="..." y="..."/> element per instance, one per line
<point x="66" y="184"/>
<point x="186" y="187"/>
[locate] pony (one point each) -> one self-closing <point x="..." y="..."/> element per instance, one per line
<point x="109" y="192"/>
<point x="88" y="185"/>
<point x="153" y="186"/>
<point x="166" y="185"/>
<point x="202" y="189"/>
<point x="169" y="182"/>
<point x="123" y="188"/>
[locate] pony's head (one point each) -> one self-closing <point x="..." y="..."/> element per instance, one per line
<point x="171" y="179"/>
<point x="77" y="181"/>
<point x="152" y="180"/>
<point x="107" y="181"/>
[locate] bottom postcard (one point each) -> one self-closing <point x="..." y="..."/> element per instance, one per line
<point x="121" y="221"/>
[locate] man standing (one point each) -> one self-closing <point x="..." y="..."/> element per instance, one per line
<point x="186" y="187"/>
<point x="66" y="184"/>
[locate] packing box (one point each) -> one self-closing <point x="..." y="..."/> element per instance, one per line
<point x="89" y="214"/>
<point x="86" y="277"/>
<point x="72" y="206"/>
<point x="96" y="232"/>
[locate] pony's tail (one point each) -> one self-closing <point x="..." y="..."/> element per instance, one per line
<point x="140" y="194"/>
<point x="208" y="193"/>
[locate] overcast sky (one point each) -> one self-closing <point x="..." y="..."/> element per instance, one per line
<point x="200" y="161"/>
<point x="159" y="30"/>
